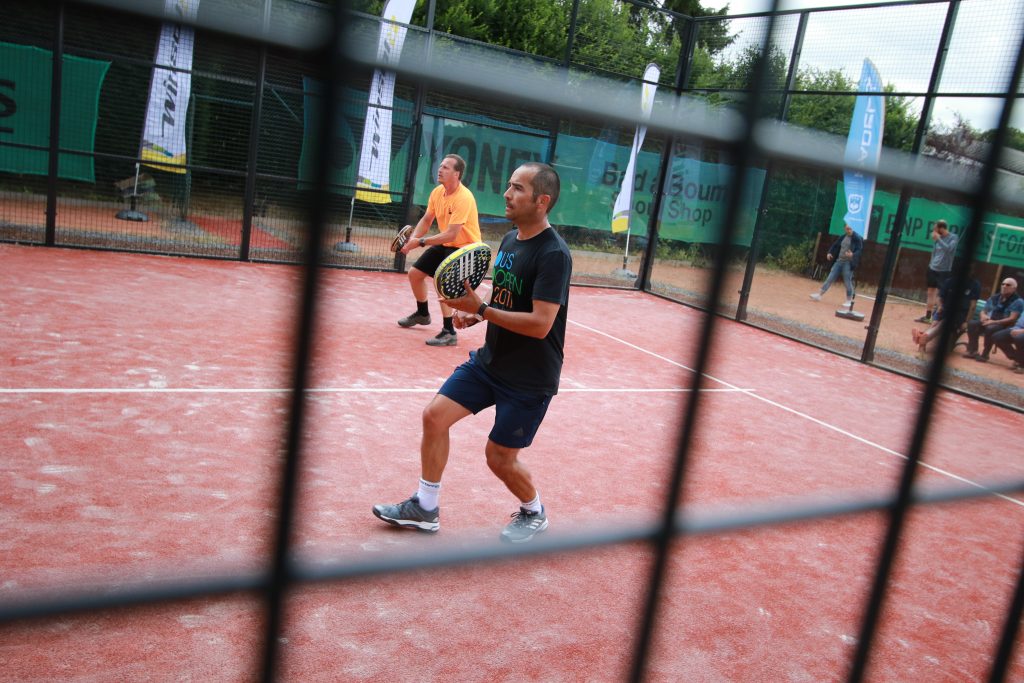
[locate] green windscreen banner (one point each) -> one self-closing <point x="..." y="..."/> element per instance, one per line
<point x="591" y="172"/>
<point x="1002" y="239"/>
<point x="25" y="78"/>
<point x="693" y="203"/>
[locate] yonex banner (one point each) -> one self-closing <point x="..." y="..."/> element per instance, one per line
<point x="163" y="139"/>
<point x="624" y="201"/>
<point x="374" y="182"/>
<point x="863" y="148"/>
<point x="1001" y="242"/>
<point x="25" y="79"/>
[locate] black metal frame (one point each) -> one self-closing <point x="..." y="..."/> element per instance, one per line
<point x="664" y="536"/>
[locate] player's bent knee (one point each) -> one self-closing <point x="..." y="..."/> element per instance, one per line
<point x="500" y="458"/>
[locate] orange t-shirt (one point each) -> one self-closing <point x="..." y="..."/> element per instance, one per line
<point x="459" y="208"/>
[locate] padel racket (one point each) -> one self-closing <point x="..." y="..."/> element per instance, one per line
<point x="401" y="238"/>
<point x="470" y="262"/>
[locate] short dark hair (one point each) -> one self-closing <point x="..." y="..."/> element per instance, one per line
<point x="545" y="181"/>
<point x="941" y="224"/>
<point x="460" y="163"/>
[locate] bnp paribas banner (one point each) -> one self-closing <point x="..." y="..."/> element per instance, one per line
<point x="1002" y="240"/>
<point x="591" y="172"/>
<point x="25" y="77"/>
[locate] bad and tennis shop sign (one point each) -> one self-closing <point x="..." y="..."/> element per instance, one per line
<point x="25" y="78"/>
<point x="1002" y="239"/>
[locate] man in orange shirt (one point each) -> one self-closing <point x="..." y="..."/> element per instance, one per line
<point x="454" y="207"/>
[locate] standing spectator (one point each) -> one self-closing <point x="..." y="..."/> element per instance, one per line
<point x="845" y="257"/>
<point x="1002" y="311"/>
<point x="941" y="265"/>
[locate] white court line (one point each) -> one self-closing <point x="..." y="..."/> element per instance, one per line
<point x="327" y="390"/>
<point x="805" y="416"/>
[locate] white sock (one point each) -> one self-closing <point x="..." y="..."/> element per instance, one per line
<point x="428" y="494"/>
<point x="534" y="505"/>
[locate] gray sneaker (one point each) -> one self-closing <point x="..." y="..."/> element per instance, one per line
<point x="414" y="319"/>
<point x="816" y="296"/>
<point x="443" y="338"/>
<point x="408" y="513"/>
<point x="524" y="526"/>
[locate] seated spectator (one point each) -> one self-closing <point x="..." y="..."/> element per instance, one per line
<point x="971" y="293"/>
<point x="1011" y="342"/>
<point x="1002" y="311"/>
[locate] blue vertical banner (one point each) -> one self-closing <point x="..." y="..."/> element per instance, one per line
<point x="863" y="149"/>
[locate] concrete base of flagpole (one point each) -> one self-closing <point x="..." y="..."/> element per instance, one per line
<point x="624" y="274"/>
<point x="346" y="246"/>
<point x="130" y="215"/>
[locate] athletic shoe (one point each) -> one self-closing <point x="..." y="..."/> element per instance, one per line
<point x="414" y="319"/>
<point x="981" y="358"/>
<point x="816" y="296"/>
<point x="923" y="319"/>
<point x="848" y="302"/>
<point x="970" y="354"/>
<point x="524" y="526"/>
<point x="408" y="513"/>
<point x="443" y="338"/>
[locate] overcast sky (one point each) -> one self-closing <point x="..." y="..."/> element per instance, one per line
<point x="902" y="41"/>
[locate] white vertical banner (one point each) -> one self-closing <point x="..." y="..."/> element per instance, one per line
<point x="863" y="150"/>
<point x="624" y="202"/>
<point x="163" y="138"/>
<point x="375" y="154"/>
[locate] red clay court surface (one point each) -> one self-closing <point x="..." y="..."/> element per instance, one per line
<point x="144" y="403"/>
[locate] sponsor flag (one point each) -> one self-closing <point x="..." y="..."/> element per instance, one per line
<point x="624" y="202"/>
<point x="163" y="139"/>
<point x="863" y="149"/>
<point x="375" y="154"/>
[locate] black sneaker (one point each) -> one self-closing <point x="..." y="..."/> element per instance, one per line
<point x="524" y="526"/>
<point x="414" y="319"/>
<point x="923" y="319"/>
<point x="408" y="513"/>
<point x="444" y="338"/>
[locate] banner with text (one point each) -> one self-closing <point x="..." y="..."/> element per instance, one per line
<point x="692" y="209"/>
<point x="863" y="149"/>
<point x="374" y="180"/>
<point x="25" y="79"/>
<point x="163" y="138"/>
<point x="1001" y="242"/>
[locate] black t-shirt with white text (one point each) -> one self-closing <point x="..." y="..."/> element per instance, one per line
<point x="524" y="270"/>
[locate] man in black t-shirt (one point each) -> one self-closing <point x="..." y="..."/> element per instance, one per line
<point x="518" y="367"/>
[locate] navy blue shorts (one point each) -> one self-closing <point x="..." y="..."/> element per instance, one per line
<point x="518" y="414"/>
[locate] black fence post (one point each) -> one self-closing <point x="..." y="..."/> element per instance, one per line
<point x="53" y="170"/>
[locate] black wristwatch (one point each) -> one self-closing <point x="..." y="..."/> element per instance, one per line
<point x="480" y="311"/>
<point x="422" y="241"/>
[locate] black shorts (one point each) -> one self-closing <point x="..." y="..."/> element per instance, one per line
<point x="517" y="414"/>
<point x="432" y="257"/>
<point x="937" y="277"/>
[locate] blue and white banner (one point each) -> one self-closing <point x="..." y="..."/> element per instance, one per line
<point x="163" y="139"/>
<point x="863" y="149"/>
<point x="374" y="180"/>
<point x="624" y="202"/>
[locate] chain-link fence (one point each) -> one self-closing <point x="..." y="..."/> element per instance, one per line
<point x="246" y="117"/>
